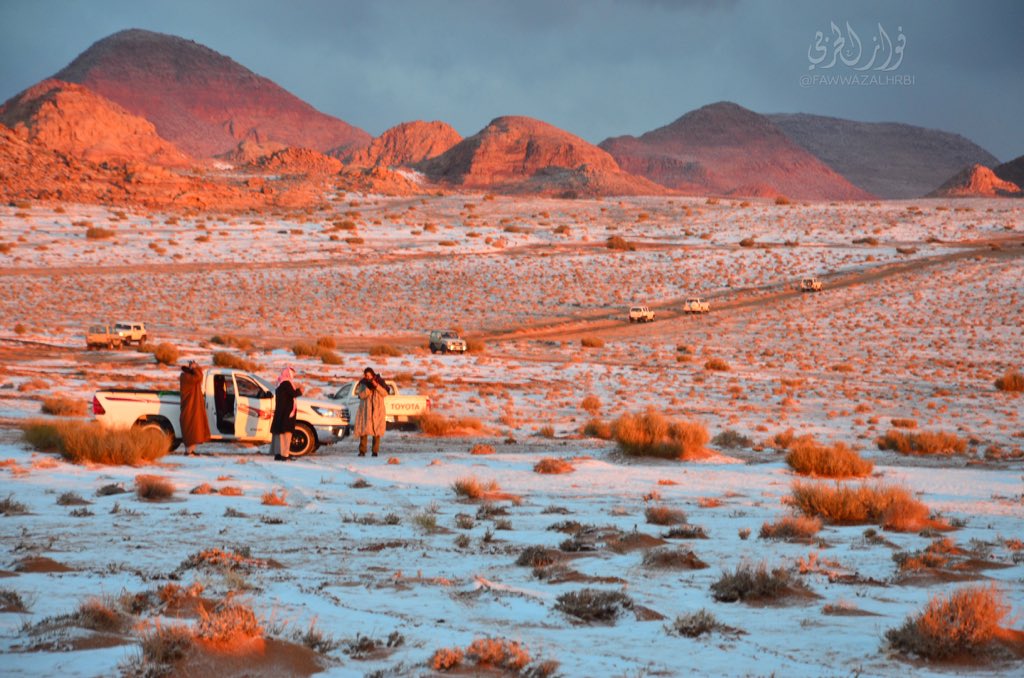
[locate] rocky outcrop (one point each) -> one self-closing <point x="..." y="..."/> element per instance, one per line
<point x="200" y="100"/>
<point x="406" y="144"/>
<point x="890" y="160"/>
<point x="722" y="148"/>
<point x="976" y="181"/>
<point x="302" y="161"/>
<point x="78" y="122"/>
<point x="516" y="154"/>
<point x="1012" y="171"/>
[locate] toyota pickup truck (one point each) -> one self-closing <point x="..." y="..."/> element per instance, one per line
<point x="400" y="410"/>
<point x="640" y="314"/>
<point x="810" y="285"/>
<point x="102" y="336"/>
<point x="446" y="341"/>
<point x="239" y="406"/>
<point x="696" y="305"/>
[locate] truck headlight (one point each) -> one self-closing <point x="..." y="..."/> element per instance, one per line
<point x="327" y="412"/>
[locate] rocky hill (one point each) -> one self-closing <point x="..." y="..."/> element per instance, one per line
<point x="890" y="160"/>
<point x="1012" y="171"/>
<point x="976" y="181"/>
<point x="517" y="154"/>
<point x="200" y="100"/>
<point x="725" y="149"/>
<point x="79" y="123"/>
<point x="406" y="144"/>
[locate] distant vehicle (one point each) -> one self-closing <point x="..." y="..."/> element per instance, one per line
<point x="640" y="314"/>
<point x="696" y="305"/>
<point x="239" y="406"/>
<point x="446" y="341"/>
<point x="399" y="408"/>
<point x="102" y="336"/>
<point x="131" y="332"/>
<point x="810" y="285"/>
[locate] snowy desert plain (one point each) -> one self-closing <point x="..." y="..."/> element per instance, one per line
<point x="377" y="566"/>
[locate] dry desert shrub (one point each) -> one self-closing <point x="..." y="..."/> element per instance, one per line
<point x="102" y="614"/>
<point x="165" y="645"/>
<point x="673" y="558"/>
<point x="553" y="465"/>
<point x="782" y="200"/>
<point x="498" y="653"/>
<point x="165" y="353"/>
<point x="1012" y="381"/>
<point x="651" y="434"/>
<point x="99" y="233"/>
<point x="240" y="343"/>
<point x="922" y="442"/>
<point x="890" y="506"/>
<point x="471" y="488"/>
<point x="598" y="428"/>
<point x="618" y="243"/>
<point x="9" y="506"/>
<point x="62" y="406"/>
<point x="782" y="440"/>
<point x="791" y="528"/>
<point x="230" y="491"/>
<point x="809" y="457"/>
<point x="750" y="582"/>
<point x="275" y="498"/>
<point x="481" y="449"/>
<point x="592" y="342"/>
<point x="546" y="431"/>
<point x="964" y="624"/>
<point x="731" y="439"/>
<point x="664" y="515"/>
<point x="387" y="350"/>
<point x="686" y="532"/>
<point x="475" y="346"/>
<point x="903" y="423"/>
<point x="11" y="601"/>
<point x="237" y="362"/>
<point x="434" y="424"/>
<point x="696" y="624"/>
<point x="591" y="404"/>
<point x="446" y="658"/>
<point x="592" y="605"/>
<point x="153" y="488"/>
<point x="716" y="365"/>
<point x="81" y="442"/>
<point x="538" y="556"/>
<point x="230" y="623"/>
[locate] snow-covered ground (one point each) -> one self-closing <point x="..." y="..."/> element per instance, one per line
<point x="916" y="323"/>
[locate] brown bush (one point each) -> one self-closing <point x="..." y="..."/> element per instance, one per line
<point x="434" y="424"/>
<point x="446" y="658"/>
<point x="594" y="605"/>
<point x="99" y="233"/>
<point x="498" y="653"/>
<point x="80" y="442"/>
<point x="237" y="362"/>
<point x="889" y="506"/>
<point x="385" y="350"/>
<point x="592" y="342"/>
<point x="153" y="488"/>
<point x="809" y="457"/>
<point x="730" y="439"/>
<point x="617" y="242"/>
<point x="166" y="354"/>
<point x="62" y="406"/>
<point x="553" y="465"/>
<point x="538" y="556"/>
<point x="673" y="558"/>
<point x="664" y="515"/>
<point x="102" y="614"/>
<point x="903" y="423"/>
<point x="748" y="582"/>
<point x="482" y="449"/>
<point x="1012" y="381"/>
<point x="652" y="434"/>
<point x="275" y="498"/>
<point x="471" y="488"/>
<point x="716" y="365"/>
<point x="696" y="624"/>
<point x="229" y="624"/>
<point x="966" y="623"/>
<point x="165" y="645"/>
<point x="591" y="404"/>
<point x="923" y="442"/>
<point x="791" y="528"/>
<point x="598" y="428"/>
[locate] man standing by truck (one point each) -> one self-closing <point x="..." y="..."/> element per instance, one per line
<point x="283" y="424"/>
<point x="195" y="428"/>
<point x="370" y="419"/>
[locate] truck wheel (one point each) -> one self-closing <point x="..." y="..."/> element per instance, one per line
<point x="303" y="440"/>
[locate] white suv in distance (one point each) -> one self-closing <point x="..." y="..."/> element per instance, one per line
<point x="131" y="332"/>
<point x="446" y="341"/>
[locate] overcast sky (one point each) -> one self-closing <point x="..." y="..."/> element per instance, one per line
<point x="597" y="68"/>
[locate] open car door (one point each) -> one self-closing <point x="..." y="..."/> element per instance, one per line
<point x="254" y="410"/>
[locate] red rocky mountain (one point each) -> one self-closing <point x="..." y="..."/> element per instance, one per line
<point x="406" y="144"/>
<point x="726" y="149"/>
<point x="976" y="181"/>
<point x="517" y="154"/>
<point x="200" y="100"/>
<point x="80" y="123"/>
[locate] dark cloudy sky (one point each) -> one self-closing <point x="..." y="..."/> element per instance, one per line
<point x="597" y="68"/>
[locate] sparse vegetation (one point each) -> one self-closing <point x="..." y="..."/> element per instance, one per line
<point x="387" y="350"/>
<point x="890" y="506"/>
<point x="435" y="424"/>
<point x="592" y="342"/>
<point x="275" y="498"/>
<point x="62" y="406"/>
<point x="673" y="558"/>
<point x="80" y="442"/>
<point x="598" y="428"/>
<point x="791" y="528"/>
<point x="731" y="440"/>
<point x="233" y="361"/>
<point x="716" y="365"/>
<point x="153" y="488"/>
<point x="617" y="242"/>
<point x="166" y="354"/>
<point x="553" y="465"/>
<point x="664" y="515"/>
<point x="652" y="434"/>
<point x="922" y="442"/>
<point x="591" y="404"/>
<point x="592" y="605"/>
<point x="755" y="583"/>
<point x="696" y="624"/>
<point x="809" y="457"/>
<point x="1012" y="381"/>
<point x="963" y="624"/>
<point x="471" y="488"/>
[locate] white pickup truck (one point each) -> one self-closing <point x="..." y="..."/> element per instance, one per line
<point x="399" y="409"/>
<point x="640" y="314"/>
<point x="239" y="406"/>
<point x="696" y="305"/>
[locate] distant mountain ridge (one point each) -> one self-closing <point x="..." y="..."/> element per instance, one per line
<point x="976" y="181"/>
<point x="726" y="149"/>
<point x="199" y="99"/>
<point x="888" y="159"/>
